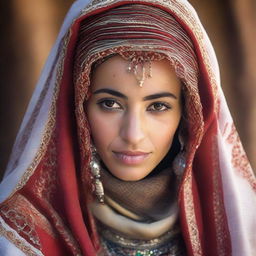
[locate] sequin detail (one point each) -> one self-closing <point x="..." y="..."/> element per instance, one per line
<point x="170" y="244"/>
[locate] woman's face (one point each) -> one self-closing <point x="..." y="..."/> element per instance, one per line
<point x="133" y="127"/>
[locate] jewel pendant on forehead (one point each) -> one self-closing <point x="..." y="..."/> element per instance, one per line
<point x="141" y="68"/>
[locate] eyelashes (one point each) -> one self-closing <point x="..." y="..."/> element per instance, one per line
<point x="114" y="105"/>
<point x="109" y="104"/>
<point x="159" y="107"/>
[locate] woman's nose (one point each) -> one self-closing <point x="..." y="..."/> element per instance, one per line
<point x="133" y="128"/>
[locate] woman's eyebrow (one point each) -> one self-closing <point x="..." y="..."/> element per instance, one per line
<point x="149" y="97"/>
<point x="160" y="95"/>
<point x="112" y="92"/>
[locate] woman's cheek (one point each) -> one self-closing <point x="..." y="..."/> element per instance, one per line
<point x="103" y="128"/>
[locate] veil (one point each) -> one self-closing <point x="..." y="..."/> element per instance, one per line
<point x="217" y="195"/>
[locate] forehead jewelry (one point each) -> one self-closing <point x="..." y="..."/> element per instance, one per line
<point x="141" y="67"/>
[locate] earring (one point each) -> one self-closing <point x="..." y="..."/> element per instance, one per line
<point x="95" y="170"/>
<point x="179" y="163"/>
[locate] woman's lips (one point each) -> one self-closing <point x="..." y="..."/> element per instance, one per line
<point x="131" y="157"/>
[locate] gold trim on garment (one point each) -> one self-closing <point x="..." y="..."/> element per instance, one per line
<point x="193" y="229"/>
<point x="239" y="159"/>
<point x="50" y="125"/>
<point x="18" y="241"/>
<point x="49" y="129"/>
<point x="218" y="204"/>
<point x="123" y="241"/>
<point x="25" y="217"/>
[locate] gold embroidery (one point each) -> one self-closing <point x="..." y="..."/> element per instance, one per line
<point x="22" y="218"/>
<point x="218" y="205"/>
<point x="42" y="190"/>
<point x="45" y="187"/>
<point x="63" y="230"/>
<point x="191" y="217"/>
<point x="122" y="240"/>
<point x="11" y="236"/>
<point x="46" y="182"/>
<point x="239" y="158"/>
<point x="50" y="125"/>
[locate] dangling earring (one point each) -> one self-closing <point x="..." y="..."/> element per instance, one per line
<point x="95" y="170"/>
<point x="179" y="163"/>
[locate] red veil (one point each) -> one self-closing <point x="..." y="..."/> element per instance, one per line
<point x="46" y="186"/>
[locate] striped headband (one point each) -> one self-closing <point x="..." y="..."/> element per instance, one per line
<point x="135" y="28"/>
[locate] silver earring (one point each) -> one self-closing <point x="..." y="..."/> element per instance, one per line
<point x="95" y="170"/>
<point x="179" y="162"/>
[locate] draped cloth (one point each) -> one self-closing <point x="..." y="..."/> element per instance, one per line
<point x="46" y="187"/>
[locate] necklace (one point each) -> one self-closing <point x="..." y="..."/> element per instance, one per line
<point x="170" y="244"/>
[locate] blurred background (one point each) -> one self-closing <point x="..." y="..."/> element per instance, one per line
<point x="29" y="28"/>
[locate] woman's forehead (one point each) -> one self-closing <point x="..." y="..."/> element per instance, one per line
<point x="114" y="74"/>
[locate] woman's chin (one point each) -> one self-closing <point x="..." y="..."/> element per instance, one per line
<point x="130" y="175"/>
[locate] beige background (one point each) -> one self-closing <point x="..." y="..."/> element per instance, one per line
<point x="29" y="27"/>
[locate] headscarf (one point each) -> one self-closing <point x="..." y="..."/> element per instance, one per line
<point x="138" y="34"/>
<point x="43" y="211"/>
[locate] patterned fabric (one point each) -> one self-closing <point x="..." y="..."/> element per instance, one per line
<point x="169" y="244"/>
<point x="46" y="188"/>
<point x="171" y="248"/>
<point x="149" y="198"/>
<point x="108" y="30"/>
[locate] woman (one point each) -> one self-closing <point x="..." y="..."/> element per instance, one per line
<point x="128" y="147"/>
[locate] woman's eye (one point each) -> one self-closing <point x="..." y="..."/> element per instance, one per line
<point x="109" y="104"/>
<point x="159" y="107"/>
